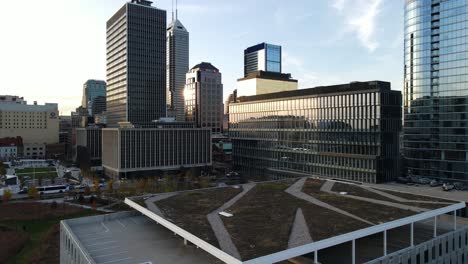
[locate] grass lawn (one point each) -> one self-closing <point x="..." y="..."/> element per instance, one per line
<point x="38" y="231"/>
<point x="374" y="213"/>
<point x="39" y="175"/>
<point x="189" y="209"/>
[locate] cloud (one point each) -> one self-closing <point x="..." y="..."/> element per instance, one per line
<point x="339" y="4"/>
<point x="361" y="19"/>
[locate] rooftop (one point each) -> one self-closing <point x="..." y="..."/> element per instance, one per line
<point x="261" y="222"/>
<point x="286" y="77"/>
<point x="205" y="66"/>
<point x="332" y="89"/>
<point x="132" y="238"/>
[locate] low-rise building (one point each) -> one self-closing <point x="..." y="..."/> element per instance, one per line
<point x="11" y="148"/>
<point x="134" y="152"/>
<point x="349" y="131"/>
<point x="37" y="125"/>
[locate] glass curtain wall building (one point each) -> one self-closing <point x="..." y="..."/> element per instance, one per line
<point x="436" y="89"/>
<point x="93" y="92"/>
<point x="136" y="64"/>
<point x="348" y="131"/>
<point x="262" y="57"/>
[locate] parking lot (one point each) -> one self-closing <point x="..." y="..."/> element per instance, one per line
<point x="135" y="240"/>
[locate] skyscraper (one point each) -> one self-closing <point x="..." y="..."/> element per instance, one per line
<point x="204" y="97"/>
<point x="177" y="66"/>
<point x="262" y="57"/>
<point x="136" y="64"/>
<point x="436" y="89"/>
<point x="94" y="91"/>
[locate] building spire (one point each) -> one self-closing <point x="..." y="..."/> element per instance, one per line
<point x="172" y="10"/>
<point x="176" y="11"/>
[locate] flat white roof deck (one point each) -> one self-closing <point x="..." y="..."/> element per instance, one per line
<point x="132" y="239"/>
<point x="297" y="189"/>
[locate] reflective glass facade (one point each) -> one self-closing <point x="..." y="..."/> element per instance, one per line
<point x="436" y="89"/>
<point x="262" y="57"/>
<point x="136" y="65"/>
<point x="203" y="95"/>
<point x="94" y="91"/>
<point x="348" y="131"/>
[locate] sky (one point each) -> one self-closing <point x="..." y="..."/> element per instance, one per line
<point x="48" y="49"/>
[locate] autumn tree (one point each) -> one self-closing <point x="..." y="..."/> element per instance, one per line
<point x="33" y="193"/>
<point x="7" y="194"/>
<point x="110" y="186"/>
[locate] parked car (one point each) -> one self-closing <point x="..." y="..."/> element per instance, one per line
<point x="435" y="183"/>
<point x="424" y="181"/>
<point x="448" y="187"/>
<point x="459" y="186"/>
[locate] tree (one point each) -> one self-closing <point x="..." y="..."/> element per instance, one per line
<point x="87" y="191"/>
<point x="110" y="186"/>
<point x="33" y="192"/>
<point x="7" y="194"/>
<point x="2" y="169"/>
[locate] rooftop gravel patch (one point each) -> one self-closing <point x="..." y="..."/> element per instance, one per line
<point x="356" y="190"/>
<point x="189" y="209"/>
<point x="372" y="212"/>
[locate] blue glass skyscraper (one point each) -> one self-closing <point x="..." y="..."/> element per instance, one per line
<point x="436" y="89"/>
<point x="262" y="57"/>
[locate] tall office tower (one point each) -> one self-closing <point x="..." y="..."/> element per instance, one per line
<point x="436" y="89"/>
<point x="93" y="89"/>
<point x="136" y="64"/>
<point x="177" y="66"/>
<point x="262" y="72"/>
<point x="204" y="97"/>
<point x="262" y="57"/>
<point x="98" y="106"/>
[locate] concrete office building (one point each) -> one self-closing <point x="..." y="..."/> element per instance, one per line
<point x="348" y="131"/>
<point x="261" y="82"/>
<point x="128" y="152"/>
<point x="204" y="97"/>
<point x="136" y="64"/>
<point x="94" y="96"/>
<point x="436" y="89"/>
<point x="37" y="125"/>
<point x="91" y="139"/>
<point x="177" y="65"/>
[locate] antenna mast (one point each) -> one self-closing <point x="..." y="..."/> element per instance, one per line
<point x="176" y="10"/>
<point x="172" y="10"/>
